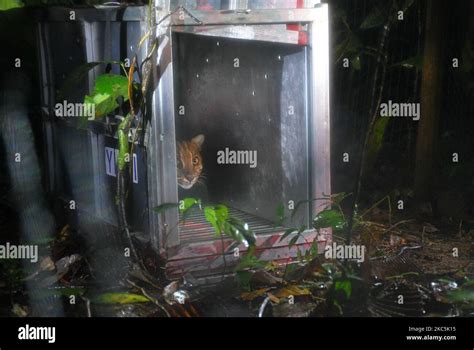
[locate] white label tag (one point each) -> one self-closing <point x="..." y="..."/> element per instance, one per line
<point x="111" y="155"/>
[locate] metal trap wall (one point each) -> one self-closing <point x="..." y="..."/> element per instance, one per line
<point x="247" y="80"/>
<point x="82" y="155"/>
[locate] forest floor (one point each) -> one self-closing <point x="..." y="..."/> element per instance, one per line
<point x="414" y="268"/>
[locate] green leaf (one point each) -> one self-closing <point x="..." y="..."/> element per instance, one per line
<point x="287" y="233"/>
<point x="112" y="84"/>
<point x="77" y="75"/>
<point x="345" y="286"/>
<point x="186" y="204"/>
<point x="119" y="298"/>
<point x="43" y="241"/>
<point x="356" y="62"/>
<point x="74" y="77"/>
<point x="375" y="141"/>
<point x="299" y="256"/>
<point x="103" y="103"/>
<point x="165" y="206"/>
<point x="374" y="19"/>
<point x="241" y="231"/>
<point x="211" y="217"/>
<point x="9" y="4"/>
<point x="243" y="279"/>
<point x="124" y="147"/>
<point x="410" y="63"/>
<point x="337" y="198"/>
<point x="406" y="5"/>
<point x="222" y="214"/>
<point x="329" y="268"/>
<point x="349" y="46"/>
<point x="462" y="296"/>
<point x="329" y="218"/>
<point x="293" y="241"/>
<point x="280" y="213"/>
<point x="108" y="87"/>
<point x="250" y="261"/>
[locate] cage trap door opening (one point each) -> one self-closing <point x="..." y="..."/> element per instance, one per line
<point x="213" y="108"/>
<point x="245" y="96"/>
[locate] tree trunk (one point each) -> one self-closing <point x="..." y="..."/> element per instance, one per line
<point x="431" y="97"/>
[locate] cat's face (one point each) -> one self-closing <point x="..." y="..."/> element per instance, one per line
<point x="189" y="161"/>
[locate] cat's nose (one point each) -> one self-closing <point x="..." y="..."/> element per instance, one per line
<point x="189" y="178"/>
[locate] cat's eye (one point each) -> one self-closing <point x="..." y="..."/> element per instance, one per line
<point x="195" y="161"/>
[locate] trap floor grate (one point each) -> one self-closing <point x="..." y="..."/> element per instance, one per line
<point x="196" y="228"/>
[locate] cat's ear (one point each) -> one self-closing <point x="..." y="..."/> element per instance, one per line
<point x="198" y="140"/>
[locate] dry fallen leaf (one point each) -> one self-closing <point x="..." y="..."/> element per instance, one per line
<point x="429" y="228"/>
<point x="47" y="264"/>
<point x="249" y="296"/>
<point x="273" y="298"/>
<point x="291" y="290"/>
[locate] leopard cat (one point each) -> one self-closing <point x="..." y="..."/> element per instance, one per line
<point x="189" y="161"/>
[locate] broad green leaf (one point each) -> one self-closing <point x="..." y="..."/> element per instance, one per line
<point x="211" y="217"/>
<point x="108" y="87"/>
<point x="374" y="19"/>
<point x="242" y="231"/>
<point x="10" y="4"/>
<point x="222" y="214"/>
<point x="112" y="84"/>
<point x="104" y="104"/>
<point x="74" y="77"/>
<point x="356" y="62"/>
<point x="243" y="279"/>
<point x="250" y="261"/>
<point x="349" y="46"/>
<point x="119" y="298"/>
<point x="231" y="231"/>
<point x="186" y="204"/>
<point x="77" y="75"/>
<point x="345" y="286"/>
<point x="329" y="218"/>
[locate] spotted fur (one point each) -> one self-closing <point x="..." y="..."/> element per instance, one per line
<point x="189" y="161"/>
